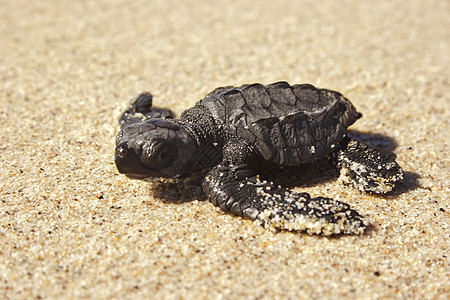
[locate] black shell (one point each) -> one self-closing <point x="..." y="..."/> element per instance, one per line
<point x="288" y="124"/>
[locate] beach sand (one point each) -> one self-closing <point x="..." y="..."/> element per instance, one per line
<point x="73" y="227"/>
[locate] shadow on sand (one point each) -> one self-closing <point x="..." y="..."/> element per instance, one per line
<point x="306" y="175"/>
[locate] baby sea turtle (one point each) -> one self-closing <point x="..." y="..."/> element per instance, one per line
<point x="235" y="132"/>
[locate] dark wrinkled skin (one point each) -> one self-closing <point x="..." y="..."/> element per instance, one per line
<point x="235" y="132"/>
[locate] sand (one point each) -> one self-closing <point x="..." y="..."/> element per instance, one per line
<point x="72" y="227"/>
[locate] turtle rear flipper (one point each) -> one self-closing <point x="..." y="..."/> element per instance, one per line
<point x="366" y="168"/>
<point x="235" y="188"/>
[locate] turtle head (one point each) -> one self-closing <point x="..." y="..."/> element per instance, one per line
<point x="156" y="148"/>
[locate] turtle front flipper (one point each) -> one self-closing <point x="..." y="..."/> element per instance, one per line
<point x="141" y="110"/>
<point x="366" y="168"/>
<point x="237" y="189"/>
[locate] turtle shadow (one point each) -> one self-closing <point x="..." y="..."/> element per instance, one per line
<point x="190" y="189"/>
<point x="180" y="191"/>
<point x="321" y="171"/>
<point x="385" y="143"/>
<point x="303" y="176"/>
<point x="374" y="140"/>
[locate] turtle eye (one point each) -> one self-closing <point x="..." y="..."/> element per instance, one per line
<point x="122" y="151"/>
<point x="163" y="154"/>
<point x="157" y="156"/>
